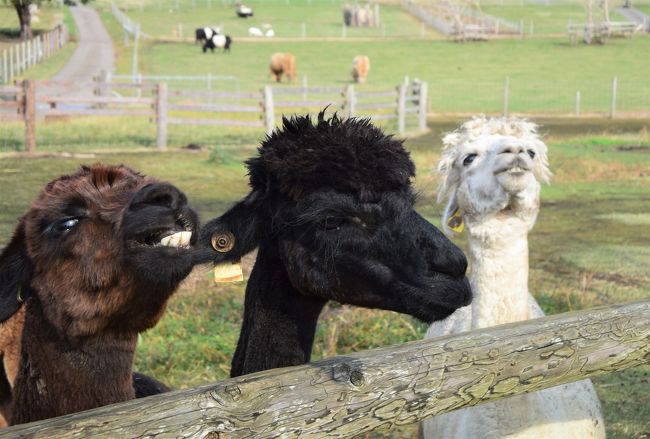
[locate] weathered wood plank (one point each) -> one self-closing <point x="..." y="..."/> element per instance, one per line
<point x="306" y="103"/>
<point x="377" y="94"/>
<point x="377" y="106"/>
<point x="95" y="100"/>
<point x="215" y="122"/>
<point x="95" y="112"/>
<point x="215" y="94"/>
<point x="217" y="108"/>
<point x="303" y="90"/>
<point x="349" y="395"/>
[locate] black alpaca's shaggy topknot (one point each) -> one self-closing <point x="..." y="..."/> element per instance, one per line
<point x="346" y="155"/>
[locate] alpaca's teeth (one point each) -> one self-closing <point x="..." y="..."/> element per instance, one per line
<point x="178" y="239"/>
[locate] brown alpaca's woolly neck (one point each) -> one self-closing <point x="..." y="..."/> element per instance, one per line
<point x="59" y="376"/>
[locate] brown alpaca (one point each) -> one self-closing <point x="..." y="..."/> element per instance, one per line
<point x="360" y="68"/>
<point x="94" y="259"/>
<point x="283" y="63"/>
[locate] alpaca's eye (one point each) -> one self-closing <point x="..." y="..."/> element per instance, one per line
<point x="469" y="159"/>
<point x="333" y="222"/>
<point x="531" y="153"/>
<point x="67" y="224"/>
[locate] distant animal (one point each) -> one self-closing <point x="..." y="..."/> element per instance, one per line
<point x="255" y="32"/>
<point x="270" y="33"/>
<point x="331" y="211"/>
<point x="244" y="11"/>
<point x="218" y="42"/>
<point x="283" y="64"/>
<point x="360" y="68"/>
<point x="91" y="265"/>
<point x="204" y="33"/>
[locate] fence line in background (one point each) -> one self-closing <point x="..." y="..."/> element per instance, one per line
<point x="165" y="107"/>
<point x="350" y="395"/>
<point x="20" y="57"/>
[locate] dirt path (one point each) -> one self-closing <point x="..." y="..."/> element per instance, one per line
<point x="93" y="54"/>
<point x="635" y="16"/>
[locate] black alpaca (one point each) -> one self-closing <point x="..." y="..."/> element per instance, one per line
<point x="331" y="209"/>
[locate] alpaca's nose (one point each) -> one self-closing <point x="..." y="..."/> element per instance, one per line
<point x="512" y="149"/>
<point x="160" y="194"/>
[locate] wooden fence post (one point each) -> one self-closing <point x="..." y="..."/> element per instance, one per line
<point x="351" y="100"/>
<point x="5" y="68"/>
<point x="506" y="95"/>
<point x="161" y="116"/>
<point x="269" y="113"/>
<point x="401" y="109"/>
<point x="422" y="105"/>
<point x="29" y="115"/>
<point x="612" y="112"/>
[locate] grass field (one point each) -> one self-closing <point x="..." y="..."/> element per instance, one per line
<point x="544" y="74"/>
<point x="590" y="247"/>
<point x="320" y="19"/>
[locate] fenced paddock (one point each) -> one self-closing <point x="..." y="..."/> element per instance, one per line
<point x="354" y="394"/>
<point x="16" y="59"/>
<point x="163" y="107"/>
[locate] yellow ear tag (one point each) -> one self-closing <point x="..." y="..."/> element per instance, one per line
<point x="228" y="272"/>
<point x="455" y="222"/>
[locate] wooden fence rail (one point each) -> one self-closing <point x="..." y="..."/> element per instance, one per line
<point x="220" y="108"/>
<point x="353" y="394"/>
<point x="21" y="56"/>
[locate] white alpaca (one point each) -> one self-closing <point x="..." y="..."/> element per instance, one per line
<point x="491" y="173"/>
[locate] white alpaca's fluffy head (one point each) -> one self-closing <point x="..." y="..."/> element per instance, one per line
<point x="491" y="166"/>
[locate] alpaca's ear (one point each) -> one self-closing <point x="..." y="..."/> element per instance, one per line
<point x="236" y="232"/>
<point x="15" y="269"/>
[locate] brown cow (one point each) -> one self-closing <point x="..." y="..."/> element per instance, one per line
<point x="283" y="63"/>
<point x="360" y="68"/>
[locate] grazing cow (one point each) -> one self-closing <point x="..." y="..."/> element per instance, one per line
<point x="244" y="11"/>
<point x="283" y="63"/>
<point x="360" y="68"/>
<point x="219" y="42"/>
<point x="204" y="33"/>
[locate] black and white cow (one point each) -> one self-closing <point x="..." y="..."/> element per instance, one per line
<point x="205" y="33"/>
<point x="218" y="41"/>
<point x="244" y="11"/>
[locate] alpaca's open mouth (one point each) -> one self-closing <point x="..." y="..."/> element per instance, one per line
<point x="179" y="235"/>
<point x="164" y="238"/>
<point x="515" y="171"/>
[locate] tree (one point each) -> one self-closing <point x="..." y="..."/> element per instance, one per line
<point x="24" y="16"/>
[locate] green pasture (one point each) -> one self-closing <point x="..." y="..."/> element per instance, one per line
<point x="321" y="19"/>
<point x="543" y="19"/>
<point x="544" y="74"/>
<point x="590" y="247"/>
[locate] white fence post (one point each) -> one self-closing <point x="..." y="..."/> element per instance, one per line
<point x="161" y="116"/>
<point x="612" y="112"/>
<point x="351" y="100"/>
<point x="269" y="114"/>
<point x="578" y="103"/>
<point x="5" y="67"/>
<point x="422" y="105"/>
<point x="506" y="95"/>
<point x="401" y="109"/>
